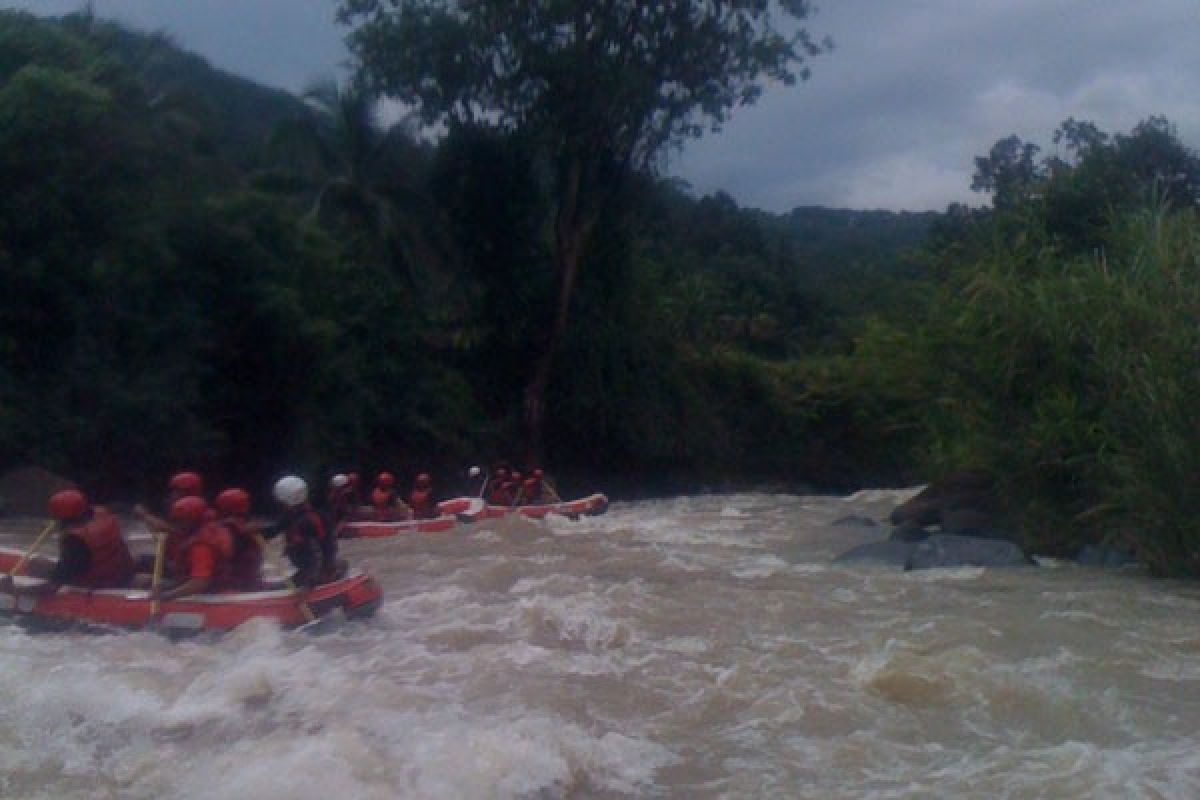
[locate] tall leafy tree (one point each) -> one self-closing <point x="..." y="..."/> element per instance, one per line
<point x="606" y="87"/>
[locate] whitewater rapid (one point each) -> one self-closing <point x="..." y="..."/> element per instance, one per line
<point x="698" y="647"/>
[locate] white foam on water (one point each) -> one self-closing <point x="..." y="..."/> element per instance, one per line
<point x="451" y="754"/>
<point x="581" y="621"/>
<point x="868" y="497"/>
<point x="665" y="649"/>
<point x="946" y="574"/>
<point x="760" y="567"/>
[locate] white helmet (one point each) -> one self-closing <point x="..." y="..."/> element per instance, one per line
<point x="339" y="480"/>
<point x="474" y="472"/>
<point x="291" y="491"/>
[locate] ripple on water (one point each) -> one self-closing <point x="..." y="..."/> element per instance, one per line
<point x="697" y="647"/>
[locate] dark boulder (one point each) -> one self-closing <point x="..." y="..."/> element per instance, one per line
<point x="25" y="490"/>
<point x="964" y="503"/>
<point x="941" y="550"/>
<point x="887" y="552"/>
<point x="1106" y="556"/>
<point x="909" y="532"/>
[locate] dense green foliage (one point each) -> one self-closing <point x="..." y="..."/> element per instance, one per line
<point x="598" y="90"/>
<point x="185" y="285"/>
<point x="1061" y="351"/>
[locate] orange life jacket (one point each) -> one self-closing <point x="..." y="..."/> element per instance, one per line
<point x="245" y="569"/>
<point x="422" y="504"/>
<point x="112" y="564"/>
<point x="218" y="539"/>
<point x="384" y="503"/>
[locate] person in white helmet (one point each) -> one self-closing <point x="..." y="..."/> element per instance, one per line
<point x="308" y="543"/>
<point x="341" y="500"/>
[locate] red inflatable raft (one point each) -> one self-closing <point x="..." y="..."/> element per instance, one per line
<point x="452" y="512"/>
<point x="585" y="506"/>
<point x="357" y="595"/>
<point x="370" y="529"/>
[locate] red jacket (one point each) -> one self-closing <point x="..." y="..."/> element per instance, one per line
<point x="422" y="503"/>
<point x="245" y="569"/>
<point x="112" y="564"/>
<point x="207" y="553"/>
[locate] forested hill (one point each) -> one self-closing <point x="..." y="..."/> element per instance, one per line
<point x="192" y="286"/>
<point x="239" y="115"/>
<point x="855" y="235"/>
<point x="202" y="273"/>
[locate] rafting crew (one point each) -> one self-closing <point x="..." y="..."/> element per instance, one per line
<point x="537" y="491"/>
<point x="180" y="485"/>
<point x="421" y="499"/>
<point x="499" y="488"/>
<point x="508" y="487"/>
<point x="202" y="561"/>
<point x="233" y="509"/>
<point x="386" y="504"/>
<point x="309" y="543"/>
<point x="92" y="553"/>
<point x="341" y="500"/>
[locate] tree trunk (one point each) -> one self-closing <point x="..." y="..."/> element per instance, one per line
<point x="569" y="233"/>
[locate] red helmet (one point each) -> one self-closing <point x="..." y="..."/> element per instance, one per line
<point x="386" y="480"/>
<point x="516" y="476"/>
<point x="353" y="478"/>
<point x="424" y="481"/>
<point x="233" y="501"/>
<point x="68" y="504"/>
<point x="186" y="484"/>
<point x="501" y="472"/>
<point x="189" y="509"/>
<point x="537" y="473"/>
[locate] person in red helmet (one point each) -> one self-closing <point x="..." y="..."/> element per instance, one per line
<point x="515" y="488"/>
<point x="181" y="484"/>
<point x="92" y="554"/>
<point x="186" y="484"/>
<point x="498" y="491"/>
<point x="538" y="491"/>
<point x="202" y="561"/>
<point x="385" y="502"/>
<point x="233" y="512"/>
<point x="421" y="500"/>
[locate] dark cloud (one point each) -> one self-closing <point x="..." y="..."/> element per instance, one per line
<point x="891" y="119"/>
<point x="894" y="116"/>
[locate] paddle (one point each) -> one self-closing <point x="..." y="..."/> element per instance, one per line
<point x="475" y="472"/>
<point x="41" y="537"/>
<point x="477" y="504"/>
<point x="160" y="549"/>
<point x="309" y="616"/>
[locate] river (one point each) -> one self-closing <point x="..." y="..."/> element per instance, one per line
<point x="696" y="647"/>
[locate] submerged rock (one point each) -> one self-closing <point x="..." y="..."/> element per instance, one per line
<point x="856" y="521"/>
<point x="885" y="552"/>
<point x="963" y="503"/>
<point x="942" y="550"/>
<point x="909" y="532"/>
<point x="25" y="490"/>
<point x="1106" y="556"/>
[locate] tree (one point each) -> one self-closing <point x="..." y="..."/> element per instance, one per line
<point x="605" y="88"/>
<point x="1009" y="171"/>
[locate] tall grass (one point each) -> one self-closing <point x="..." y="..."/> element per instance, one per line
<point x="1075" y="380"/>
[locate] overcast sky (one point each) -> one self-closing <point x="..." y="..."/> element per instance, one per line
<point x="892" y="118"/>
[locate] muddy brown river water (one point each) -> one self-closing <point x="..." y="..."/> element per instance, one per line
<point x="698" y="647"/>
